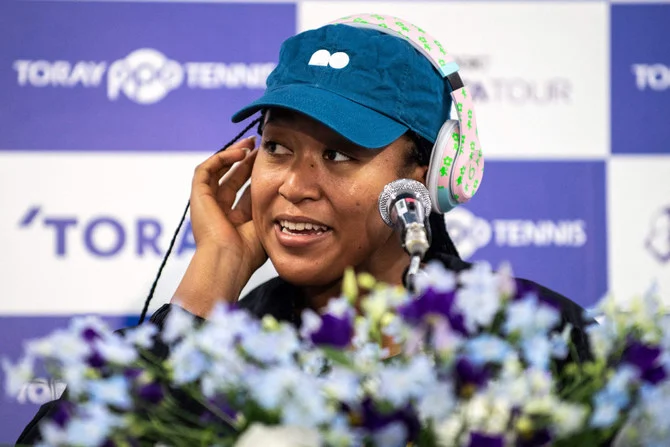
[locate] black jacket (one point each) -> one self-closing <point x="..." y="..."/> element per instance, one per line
<point x="283" y="301"/>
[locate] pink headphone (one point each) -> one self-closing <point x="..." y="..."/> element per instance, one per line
<point x="456" y="163"/>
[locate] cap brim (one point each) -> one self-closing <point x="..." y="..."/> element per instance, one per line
<point x="359" y="124"/>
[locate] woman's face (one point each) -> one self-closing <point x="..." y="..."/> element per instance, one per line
<point x="314" y="200"/>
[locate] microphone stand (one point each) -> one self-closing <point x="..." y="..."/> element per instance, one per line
<point x="412" y="271"/>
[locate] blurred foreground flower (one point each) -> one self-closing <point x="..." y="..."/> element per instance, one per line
<point x="475" y="359"/>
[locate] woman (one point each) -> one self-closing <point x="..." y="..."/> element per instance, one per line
<point x="346" y="111"/>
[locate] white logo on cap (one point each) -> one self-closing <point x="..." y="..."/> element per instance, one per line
<point x="323" y="58"/>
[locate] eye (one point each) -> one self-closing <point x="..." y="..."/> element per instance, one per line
<point x="333" y="155"/>
<point x="274" y="148"/>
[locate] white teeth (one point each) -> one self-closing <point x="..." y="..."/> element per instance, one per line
<point x="300" y="226"/>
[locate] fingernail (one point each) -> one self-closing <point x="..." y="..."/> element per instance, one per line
<point x="251" y="138"/>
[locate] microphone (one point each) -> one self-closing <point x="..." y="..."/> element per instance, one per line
<point x="404" y="205"/>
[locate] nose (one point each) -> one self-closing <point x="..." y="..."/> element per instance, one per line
<point x="301" y="179"/>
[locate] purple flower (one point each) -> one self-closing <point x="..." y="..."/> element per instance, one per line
<point x="96" y="360"/>
<point x="151" y="392"/>
<point x="471" y="374"/>
<point x="62" y="413"/>
<point x="482" y="440"/>
<point x="132" y="373"/>
<point x="375" y="420"/>
<point x="432" y="302"/>
<point x="334" y="331"/>
<point x="90" y="334"/>
<point x="645" y="359"/>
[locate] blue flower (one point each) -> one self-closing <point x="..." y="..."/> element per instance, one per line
<point x="608" y="404"/>
<point x="112" y="391"/>
<point x="537" y="351"/>
<point x="487" y="348"/>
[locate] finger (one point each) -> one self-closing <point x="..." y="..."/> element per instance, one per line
<point x="235" y="179"/>
<point x="211" y="170"/>
<point x="242" y="211"/>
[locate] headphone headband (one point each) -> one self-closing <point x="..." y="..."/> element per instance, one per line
<point x="426" y="44"/>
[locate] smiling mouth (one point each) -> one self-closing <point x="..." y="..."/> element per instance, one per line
<point x="302" y="228"/>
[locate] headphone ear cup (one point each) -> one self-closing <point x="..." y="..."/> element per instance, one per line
<point x="441" y="167"/>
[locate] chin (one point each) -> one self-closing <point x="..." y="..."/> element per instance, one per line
<point x="306" y="273"/>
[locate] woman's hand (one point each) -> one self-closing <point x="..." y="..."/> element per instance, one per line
<point x="228" y="250"/>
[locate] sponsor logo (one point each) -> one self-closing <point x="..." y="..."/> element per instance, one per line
<point x="145" y="76"/>
<point x="515" y="90"/>
<point x="658" y="238"/>
<point x="40" y="391"/>
<point x="107" y="236"/>
<point x="471" y="233"/>
<point x="651" y="76"/>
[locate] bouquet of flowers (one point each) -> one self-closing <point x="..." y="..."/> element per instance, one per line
<point x="472" y="359"/>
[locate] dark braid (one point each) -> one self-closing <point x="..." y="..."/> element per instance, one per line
<point x="181" y="222"/>
<point x="441" y="242"/>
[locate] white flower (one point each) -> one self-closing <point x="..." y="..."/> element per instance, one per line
<point x="449" y="431"/>
<point x="392" y="435"/>
<point x="93" y="428"/>
<point x="530" y="316"/>
<point x="478" y="300"/>
<point x="74" y="376"/>
<point x="601" y="338"/>
<point x="187" y="362"/>
<point x="311" y="323"/>
<point x="52" y="434"/>
<point x="142" y="335"/>
<point x="340" y="434"/>
<point x="306" y="406"/>
<point x="341" y="384"/>
<point x="506" y="282"/>
<point x="270" y="347"/>
<point x="339" y="307"/>
<point x="269" y="387"/>
<point x="177" y="324"/>
<point x="568" y="417"/>
<point x="115" y="349"/>
<point x="112" y="392"/>
<point x="64" y="346"/>
<point x="281" y="436"/>
<point x="437" y="402"/>
<point x="17" y="376"/>
<point x="398" y="383"/>
<point x="435" y="276"/>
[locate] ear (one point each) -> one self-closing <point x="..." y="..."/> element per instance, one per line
<point x="419" y="173"/>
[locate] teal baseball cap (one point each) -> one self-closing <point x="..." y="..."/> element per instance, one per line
<point x="368" y="86"/>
